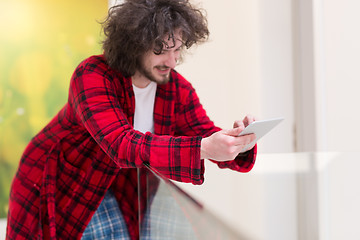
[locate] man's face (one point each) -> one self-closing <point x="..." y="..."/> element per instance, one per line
<point x="157" y="68"/>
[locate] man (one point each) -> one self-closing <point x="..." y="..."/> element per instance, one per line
<point x="126" y="108"/>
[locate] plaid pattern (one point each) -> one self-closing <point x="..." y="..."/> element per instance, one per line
<point x="90" y="146"/>
<point x="107" y="223"/>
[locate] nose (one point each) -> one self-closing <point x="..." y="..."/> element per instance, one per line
<point x="171" y="59"/>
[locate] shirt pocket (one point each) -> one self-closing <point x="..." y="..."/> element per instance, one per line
<point x="69" y="180"/>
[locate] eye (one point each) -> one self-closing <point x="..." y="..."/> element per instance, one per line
<point x="158" y="52"/>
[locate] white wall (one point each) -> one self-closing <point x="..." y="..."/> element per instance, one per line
<point x="341" y="45"/>
<point x="277" y="73"/>
<point x="327" y="75"/>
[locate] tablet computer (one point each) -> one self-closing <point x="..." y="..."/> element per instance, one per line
<point x="260" y="128"/>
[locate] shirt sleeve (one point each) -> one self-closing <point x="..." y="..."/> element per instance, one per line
<point x="95" y="102"/>
<point x="244" y="162"/>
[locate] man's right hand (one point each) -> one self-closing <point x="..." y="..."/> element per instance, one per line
<point x="225" y="145"/>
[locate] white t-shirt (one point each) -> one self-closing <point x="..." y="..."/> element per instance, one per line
<point x="144" y="108"/>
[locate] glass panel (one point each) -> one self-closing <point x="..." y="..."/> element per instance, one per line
<point x="286" y="196"/>
<point x="170" y="213"/>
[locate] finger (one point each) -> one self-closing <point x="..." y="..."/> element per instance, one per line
<point x="248" y="120"/>
<point x="239" y="123"/>
<point x="245" y="139"/>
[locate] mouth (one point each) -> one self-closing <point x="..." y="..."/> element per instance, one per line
<point x="163" y="69"/>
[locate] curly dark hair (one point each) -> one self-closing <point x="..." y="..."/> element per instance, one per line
<point x="137" y="26"/>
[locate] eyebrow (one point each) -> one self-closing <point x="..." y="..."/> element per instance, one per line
<point x="168" y="49"/>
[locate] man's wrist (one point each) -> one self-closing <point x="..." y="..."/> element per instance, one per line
<point x="203" y="152"/>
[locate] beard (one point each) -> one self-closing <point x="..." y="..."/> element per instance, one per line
<point x="162" y="79"/>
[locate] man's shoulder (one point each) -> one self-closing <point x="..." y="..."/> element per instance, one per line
<point x="185" y="92"/>
<point x="180" y="81"/>
<point x="97" y="62"/>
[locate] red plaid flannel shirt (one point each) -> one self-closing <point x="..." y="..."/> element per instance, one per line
<point x="90" y="146"/>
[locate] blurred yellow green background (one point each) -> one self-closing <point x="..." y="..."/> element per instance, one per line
<point x="41" y="43"/>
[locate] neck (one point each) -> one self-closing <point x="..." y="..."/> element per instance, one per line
<point x="140" y="80"/>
